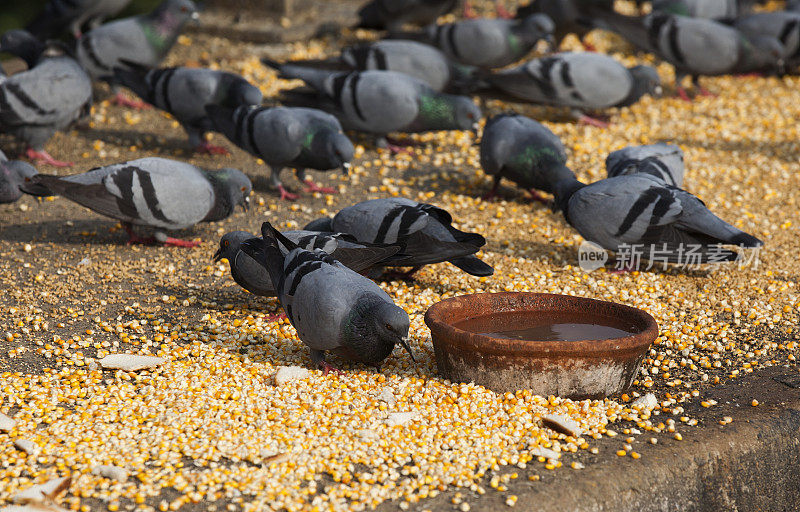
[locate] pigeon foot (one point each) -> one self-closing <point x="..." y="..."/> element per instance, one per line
<point x="123" y="101"/>
<point x="43" y="157"/>
<point x="177" y="242"/>
<point x="591" y="121"/>
<point x="206" y="148"/>
<point x="327" y="368"/>
<point x="537" y="197"/>
<point x="312" y="187"/>
<point x="286" y="195"/>
<point x="682" y="94"/>
<point x="276" y="317"/>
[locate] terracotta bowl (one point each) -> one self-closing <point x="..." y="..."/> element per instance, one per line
<point x="570" y="369"/>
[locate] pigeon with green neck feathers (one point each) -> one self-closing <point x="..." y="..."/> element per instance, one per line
<point x="379" y="102"/>
<point x="485" y="43"/>
<point x="142" y="40"/>
<point x="526" y="152"/>
<point x="301" y="138"/>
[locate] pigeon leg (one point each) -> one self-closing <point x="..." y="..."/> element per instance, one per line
<point x="177" y="242"/>
<point x="682" y="94"/>
<point x="702" y="91"/>
<point x="123" y="101"/>
<point x="327" y="368"/>
<point x="539" y="198"/>
<point x="276" y="317"/>
<point x="492" y="193"/>
<point x="313" y="187"/>
<point x="591" y="121"/>
<point x="275" y="181"/>
<point x="43" y="157"/>
<point x="206" y="148"/>
<point x="133" y="238"/>
<point x="286" y="195"/>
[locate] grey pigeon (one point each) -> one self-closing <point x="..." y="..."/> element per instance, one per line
<point x="143" y="40"/>
<point x="12" y="176"/>
<point x="486" y="43"/>
<point x="254" y="278"/>
<point x="424" y="232"/>
<point x="518" y="148"/>
<point x="696" y="47"/>
<point x="153" y="192"/>
<point x="580" y="81"/>
<point x="73" y="15"/>
<point x="333" y="308"/>
<point x="419" y="60"/>
<point x="708" y="9"/>
<point x="641" y="210"/>
<point x="186" y="92"/>
<point x="287" y="137"/>
<point x="665" y="161"/>
<point x="783" y="25"/>
<point x="566" y="17"/>
<point x="48" y="97"/>
<point x="380" y="102"/>
<point x="392" y="14"/>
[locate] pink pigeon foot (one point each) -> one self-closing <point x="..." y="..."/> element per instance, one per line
<point x="327" y="368"/>
<point x="702" y="91"/>
<point x="207" y="148"/>
<point x="276" y="317"/>
<point x="589" y="47"/>
<point x="539" y="198"/>
<point x="43" y="157"/>
<point x="286" y="195"/>
<point x="177" y="242"/>
<point x="123" y="101"/>
<point x="591" y="121"/>
<point x="682" y="94"/>
<point x="312" y="187"/>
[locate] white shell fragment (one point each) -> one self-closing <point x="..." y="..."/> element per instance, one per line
<point x="111" y="472"/>
<point x="289" y="373"/>
<point x="547" y="453"/>
<point x="42" y="493"/>
<point x="27" y="446"/>
<point x="130" y="362"/>
<point x="647" y="401"/>
<point x="399" y="418"/>
<point x="6" y="423"/>
<point x="563" y="424"/>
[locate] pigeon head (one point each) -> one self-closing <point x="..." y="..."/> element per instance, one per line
<point x="373" y="329"/>
<point x="13" y="175"/>
<point x="232" y="188"/>
<point x="22" y="44"/>
<point x="245" y="93"/>
<point x="563" y="191"/>
<point x="229" y="245"/>
<point x="764" y="53"/>
<point x="332" y="148"/>
<point x="167" y="20"/>
<point x="645" y="81"/>
<point x="536" y="27"/>
<point x="447" y="112"/>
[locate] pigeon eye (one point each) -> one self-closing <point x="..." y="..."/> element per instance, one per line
<point x="389" y="327"/>
<point x="184" y="9"/>
<point x="244" y="188"/>
<point x="226" y="243"/>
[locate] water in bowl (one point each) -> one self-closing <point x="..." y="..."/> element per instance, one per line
<point x="547" y="326"/>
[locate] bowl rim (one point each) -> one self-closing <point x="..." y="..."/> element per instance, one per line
<point x="446" y="333"/>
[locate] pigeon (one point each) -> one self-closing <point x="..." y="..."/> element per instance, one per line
<point x="640" y="211"/>
<point x="48" y="97"/>
<point x="793" y="5"/>
<point x="526" y="152"/>
<point x="154" y="192"/>
<point x="664" y="161"/>
<point x="380" y="102"/>
<point x="566" y="17"/>
<point x="185" y="93"/>
<point x="421" y="61"/>
<point x="580" y="81"/>
<point x="486" y="43"/>
<point x="73" y="14"/>
<point x="287" y="137"/>
<point x="783" y="25"/>
<point x="143" y="40"/>
<point x="423" y="231"/>
<point x="254" y="278"/>
<point x="696" y="47"/>
<point x="12" y="176"/>
<point x="708" y="9"/>
<point x="333" y="308"/>
<point x="393" y="14"/>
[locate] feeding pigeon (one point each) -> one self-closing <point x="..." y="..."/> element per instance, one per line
<point x="640" y="211"/>
<point x="566" y="17"/>
<point x="664" y="161"/>
<point x="392" y="14"/>
<point x="185" y="93"/>
<point x="526" y="152"/>
<point x="49" y="96"/>
<point x="486" y="43"/>
<point x="708" y="9"/>
<point x="380" y="102"/>
<point x="287" y="137"/>
<point x="580" y="81"/>
<point x="419" y="60"/>
<point x="332" y="307"/>
<point x="73" y="14"/>
<point x="254" y="278"/>
<point x="12" y="176"/>
<point x="143" y="40"/>
<point x="154" y="192"/>
<point x="424" y="232"/>
<point x="783" y="25"/>
<point x="696" y="47"/>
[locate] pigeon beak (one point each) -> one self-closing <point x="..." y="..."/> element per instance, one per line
<point x="195" y="16"/>
<point x="658" y="90"/>
<point x="217" y="255"/>
<point x="346" y="168"/>
<point x="404" y="343"/>
<point x="476" y="126"/>
<point x="246" y="204"/>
